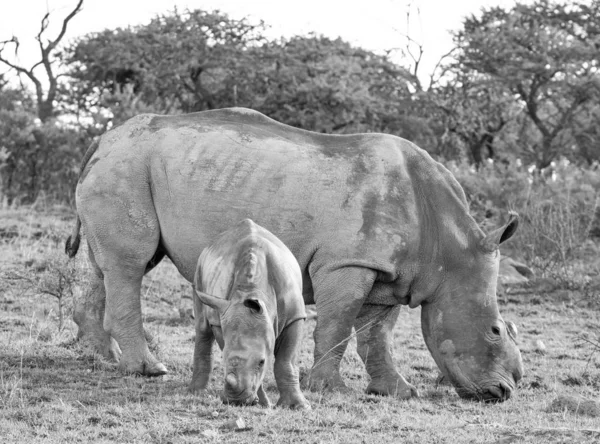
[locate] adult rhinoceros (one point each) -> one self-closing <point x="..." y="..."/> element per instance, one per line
<point x="373" y="221"/>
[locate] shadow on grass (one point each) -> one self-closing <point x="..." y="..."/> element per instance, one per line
<point x="55" y="372"/>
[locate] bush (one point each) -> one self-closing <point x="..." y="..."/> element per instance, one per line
<point x="36" y="159"/>
<point x="557" y="205"/>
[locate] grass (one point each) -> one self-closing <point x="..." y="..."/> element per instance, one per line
<point x="52" y="389"/>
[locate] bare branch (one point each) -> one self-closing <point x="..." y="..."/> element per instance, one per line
<point x="437" y="65"/>
<point x="66" y="21"/>
<point x="45" y="104"/>
<point x="43" y="27"/>
<point x="19" y="69"/>
<point x="36" y="65"/>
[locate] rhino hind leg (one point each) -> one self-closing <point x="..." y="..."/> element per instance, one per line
<point x="339" y="296"/>
<point x="123" y="320"/>
<point x="374" y="326"/>
<point x="88" y="314"/>
<point x="122" y="255"/>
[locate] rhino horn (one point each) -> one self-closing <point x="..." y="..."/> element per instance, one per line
<point x="215" y="302"/>
<point x="492" y="241"/>
<point x="231" y="380"/>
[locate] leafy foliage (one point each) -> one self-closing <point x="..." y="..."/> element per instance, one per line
<point x="544" y="53"/>
<point x="329" y="86"/>
<point x="474" y="112"/>
<point x="179" y="62"/>
<point x="35" y="156"/>
<point x="557" y="206"/>
<point x="523" y="85"/>
<point x="197" y="60"/>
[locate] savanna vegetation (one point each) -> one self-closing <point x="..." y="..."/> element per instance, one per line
<point x="513" y="111"/>
<point x="54" y="389"/>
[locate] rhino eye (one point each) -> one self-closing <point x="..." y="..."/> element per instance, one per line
<point x="496" y="330"/>
<point x="261" y="362"/>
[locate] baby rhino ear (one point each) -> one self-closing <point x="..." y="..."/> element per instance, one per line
<point x="493" y="240"/>
<point x="254" y="304"/>
<point x="212" y="301"/>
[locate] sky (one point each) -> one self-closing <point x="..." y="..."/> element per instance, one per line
<point x="376" y="25"/>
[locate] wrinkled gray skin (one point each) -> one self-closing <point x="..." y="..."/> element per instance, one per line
<point x="373" y="221"/>
<point x="248" y="296"/>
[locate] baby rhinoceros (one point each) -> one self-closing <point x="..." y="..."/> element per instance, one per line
<point x="248" y="295"/>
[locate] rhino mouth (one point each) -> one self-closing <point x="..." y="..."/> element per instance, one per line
<point x="492" y="390"/>
<point x="242" y="398"/>
<point x="499" y="392"/>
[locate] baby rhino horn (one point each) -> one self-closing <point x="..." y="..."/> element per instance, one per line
<point x="231" y="380"/>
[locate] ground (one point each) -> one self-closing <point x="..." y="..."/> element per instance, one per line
<point x="54" y="389"/>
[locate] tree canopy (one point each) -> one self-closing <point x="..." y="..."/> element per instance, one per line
<point x="546" y="55"/>
<point x="522" y="83"/>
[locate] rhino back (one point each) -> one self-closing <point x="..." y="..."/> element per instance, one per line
<point x="367" y="198"/>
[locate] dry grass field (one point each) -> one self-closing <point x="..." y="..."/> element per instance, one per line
<point x="54" y="390"/>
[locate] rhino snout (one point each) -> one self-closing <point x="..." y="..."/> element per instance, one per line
<point x="243" y="398"/>
<point x="236" y="392"/>
<point x="497" y="393"/>
<point x="236" y="385"/>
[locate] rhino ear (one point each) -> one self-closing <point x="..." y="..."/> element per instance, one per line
<point x="492" y="241"/>
<point x="513" y="332"/>
<point x="212" y="301"/>
<point x="254" y="304"/>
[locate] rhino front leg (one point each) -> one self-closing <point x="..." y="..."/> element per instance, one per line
<point x="88" y="314"/>
<point x="286" y="369"/>
<point x="339" y="296"/>
<point x="374" y="327"/>
<point x="202" y="348"/>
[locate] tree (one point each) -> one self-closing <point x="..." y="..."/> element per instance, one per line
<point x="474" y="111"/>
<point x="546" y="54"/>
<point x="179" y="62"/>
<point x="37" y="152"/>
<point x="197" y="60"/>
<point x="30" y="164"/>
<point x="45" y="99"/>
<point x="326" y="85"/>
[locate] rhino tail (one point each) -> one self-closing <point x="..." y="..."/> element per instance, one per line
<point x="73" y="241"/>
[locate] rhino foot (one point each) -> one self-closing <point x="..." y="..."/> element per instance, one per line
<point x="147" y="367"/>
<point x="317" y="381"/>
<point x="397" y="387"/>
<point x="114" y="351"/>
<point x="102" y="343"/>
<point x="196" y="389"/>
<point x="295" y="401"/>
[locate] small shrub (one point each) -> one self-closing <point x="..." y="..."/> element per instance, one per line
<point x="557" y="206"/>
